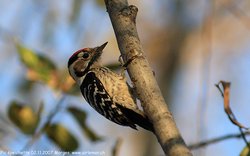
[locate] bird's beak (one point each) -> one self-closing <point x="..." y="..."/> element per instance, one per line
<point x="100" y="48"/>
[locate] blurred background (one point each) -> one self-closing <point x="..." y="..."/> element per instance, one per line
<point x="191" y="45"/>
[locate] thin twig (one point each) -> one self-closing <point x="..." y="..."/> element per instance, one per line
<point x="216" y="140"/>
<point x="231" y="116"/>
<point x="244" y="137"/>
<point x="221" y="92"/>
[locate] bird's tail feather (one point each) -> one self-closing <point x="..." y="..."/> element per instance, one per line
<point x="139" y="118"/>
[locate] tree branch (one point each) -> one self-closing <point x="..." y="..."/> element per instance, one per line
<point x="216" y="140"/>
<point x="123" y="19"/>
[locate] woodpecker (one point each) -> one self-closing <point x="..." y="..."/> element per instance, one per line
<point x="106" y="91"/>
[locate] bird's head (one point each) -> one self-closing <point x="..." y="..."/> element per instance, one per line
<point x="82" y="60"/>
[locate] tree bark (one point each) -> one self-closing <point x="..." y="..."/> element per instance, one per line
<point x="123" y="19"/>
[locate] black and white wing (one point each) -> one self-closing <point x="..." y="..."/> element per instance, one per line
<point x="96" y="95"/>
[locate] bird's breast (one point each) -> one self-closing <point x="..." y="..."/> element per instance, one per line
<point x="116" y="86"/>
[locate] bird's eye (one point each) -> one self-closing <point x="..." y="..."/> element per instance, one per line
<point x="85" y="55"/>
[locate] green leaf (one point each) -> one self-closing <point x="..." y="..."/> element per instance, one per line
<point x="40" y="67"/>
<point x="23" y="117"/>
<point x="62" y="137"/>
<point x="80" y="117"/>
<point x="245" y="151"/>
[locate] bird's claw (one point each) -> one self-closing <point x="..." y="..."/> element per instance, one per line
<point x="125" y="65"/>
